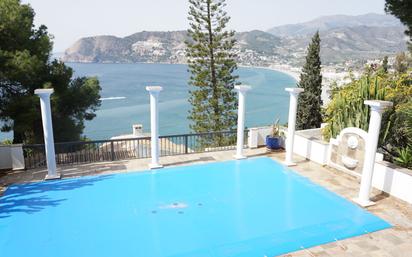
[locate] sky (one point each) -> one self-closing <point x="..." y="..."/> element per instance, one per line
<point x="70" y="20"/>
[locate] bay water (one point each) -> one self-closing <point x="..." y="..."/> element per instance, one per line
<point x="126" y="102"/>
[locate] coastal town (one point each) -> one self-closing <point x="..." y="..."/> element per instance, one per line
<point x="333" y="74"/>
<point x="348" y="46"/>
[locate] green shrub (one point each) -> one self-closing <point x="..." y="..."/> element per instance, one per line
<point x="6" y="142"/>
<point x="404" y="157"/>
<point x="347" y="109"/>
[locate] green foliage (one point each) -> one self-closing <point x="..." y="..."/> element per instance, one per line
<point x="407" y="113"/>
<point x="385" y="64"/>
<point x="401" y="9"/>
<point x="309" y="113"/>
<point x="275" y="129"/>
<point x="404" y="158"/>
<point x="347" y="108"/>
<point x="25" y="66"/>
<point x="403" y="128"/>
<point x="211" y="63"/>
<point x="401" y="63"/>
<point x="398" y="119"/>
<point x="6" y="142"/>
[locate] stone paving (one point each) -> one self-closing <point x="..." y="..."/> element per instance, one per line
<point x="396" y="241"/>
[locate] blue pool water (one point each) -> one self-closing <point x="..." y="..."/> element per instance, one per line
<point x="247" y="208"/>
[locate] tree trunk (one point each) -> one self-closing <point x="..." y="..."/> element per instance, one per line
<point x="18" y="136"/>
<point x="213" y="69"/>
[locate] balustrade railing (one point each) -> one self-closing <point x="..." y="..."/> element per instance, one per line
<point x="68" y="153"/>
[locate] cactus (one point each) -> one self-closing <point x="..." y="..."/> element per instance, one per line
<point x="347" y="108"/>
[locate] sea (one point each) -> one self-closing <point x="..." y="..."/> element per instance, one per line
<point x="126" y="102"/>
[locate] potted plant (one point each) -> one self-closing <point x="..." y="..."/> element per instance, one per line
<point x="274" y="138"/>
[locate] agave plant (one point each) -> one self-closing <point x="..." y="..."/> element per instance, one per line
<point x="275" y="129"/>
<point x="408" y="114"/>
<point x="348" y="109"/>
<point x="404" y="158"/>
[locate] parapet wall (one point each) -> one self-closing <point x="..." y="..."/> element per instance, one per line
<point x="388" y="177"/>
<point x="11" y="157"/>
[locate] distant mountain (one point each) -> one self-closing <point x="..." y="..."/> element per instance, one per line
<point x="336" y="21"/>
<point x="259" y="41"/>
<point x="361" y="42"/>
<point x="139" y="47"/>
<point x="343" y="38"/>
<point x="156" y="46"/>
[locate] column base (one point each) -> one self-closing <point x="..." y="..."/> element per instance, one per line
<point x="239" y="157"/>
<point x="289" y="164"/>
<point x="153" y="166"/>
<point x="52" y="177"/>
<point x="363" y="203"/>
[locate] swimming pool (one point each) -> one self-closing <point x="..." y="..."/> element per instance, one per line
<point x="254" y="207"/>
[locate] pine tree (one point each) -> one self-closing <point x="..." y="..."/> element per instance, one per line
<point x="402" y="9"/>
<point x="310" y="102"/>
<point x="25" y="65"/>
<point x="211" y="63"/>
<point x="401" y="63"/>
<point x="385" y="66"/>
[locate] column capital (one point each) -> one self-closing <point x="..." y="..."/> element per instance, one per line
<point x="294" y="90"/>
<point x="154" y="89"/>
<point x="44" y="92"/>
<point x="242" y="88"/>
<point x="378" y="105"/>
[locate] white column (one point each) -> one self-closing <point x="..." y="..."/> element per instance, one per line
<point x="293" y="106"/>
<point x="154" y="125"/>
<point x="377" y="108"/>
<point x="241" y="121"/>
<point x="44" y="95"/>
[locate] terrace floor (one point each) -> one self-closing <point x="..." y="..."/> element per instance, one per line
<point x="395" y="241"/>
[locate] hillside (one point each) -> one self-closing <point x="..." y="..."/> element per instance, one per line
<point x="343" y="38"/>
<point x="335" y="21"/>
<point x="139" y="47"/>
<point x="353" y="43"/>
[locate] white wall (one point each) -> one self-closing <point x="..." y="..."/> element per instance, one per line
<point x="5" y="160"/>
<point x="393" y="180"/>
<point x="304" y="145"/>
<point x="387" y="177"/>
<point x="257" y="136"/>
<point x="313" y="149"/>
<point x="11" y="157"/>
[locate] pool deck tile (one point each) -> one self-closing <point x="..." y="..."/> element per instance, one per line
<point x="392" y="242"/>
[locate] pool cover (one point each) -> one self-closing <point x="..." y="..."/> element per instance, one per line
<point x="246" y="208"/>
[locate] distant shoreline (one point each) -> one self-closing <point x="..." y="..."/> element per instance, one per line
<point x="279" y="68"/>
<point x="294" y="74"/>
